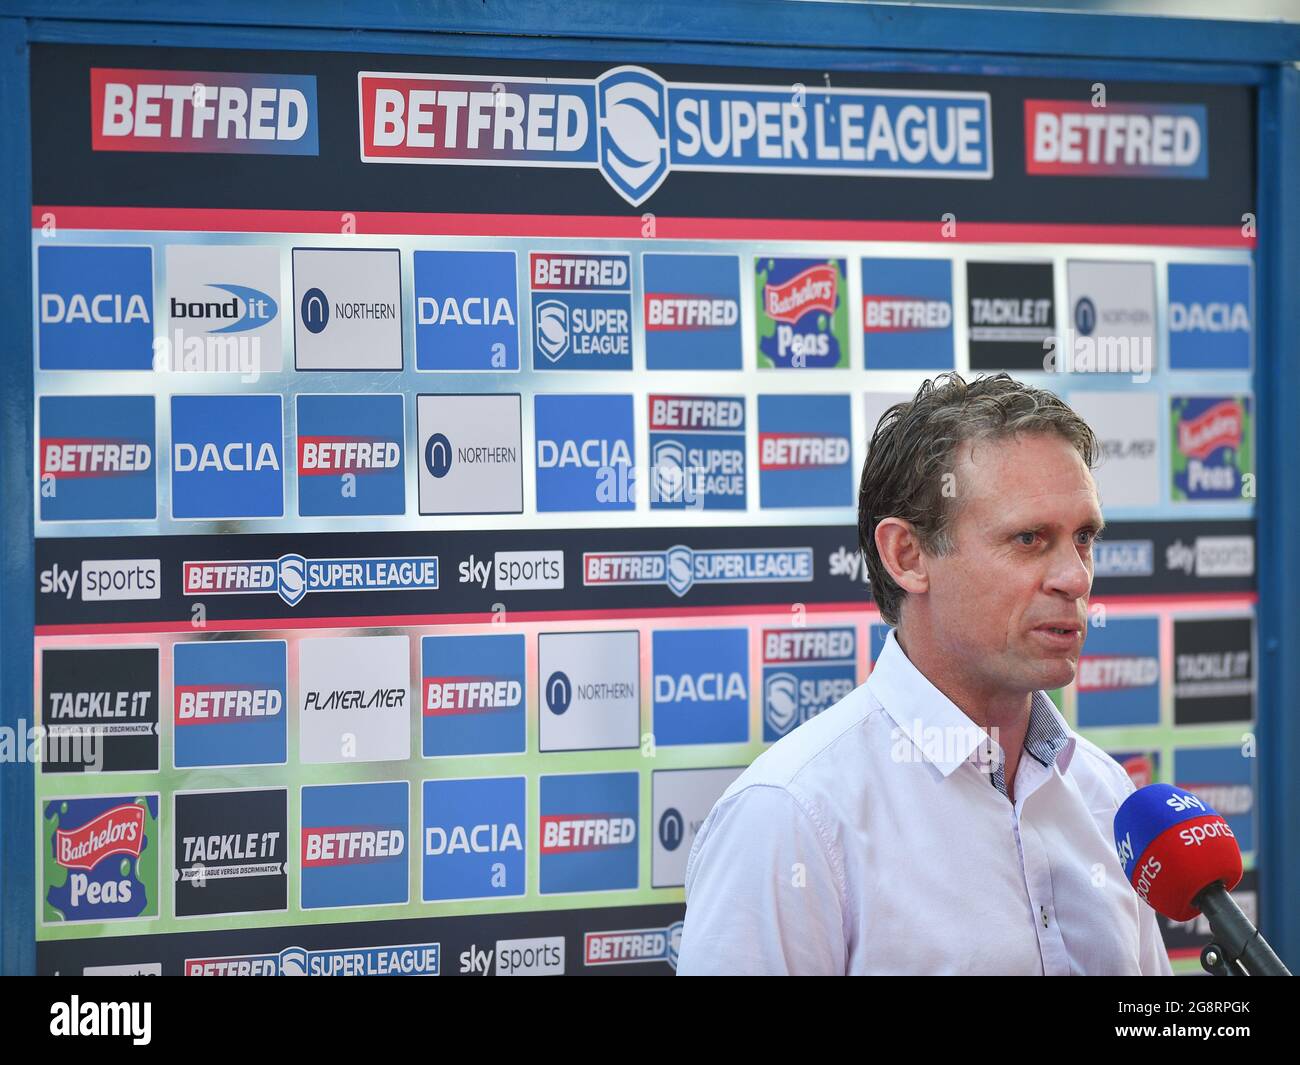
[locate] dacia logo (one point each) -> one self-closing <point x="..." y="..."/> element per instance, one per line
<point x="632" y="117"/>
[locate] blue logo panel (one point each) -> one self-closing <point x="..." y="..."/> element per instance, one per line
<point x="697" y="452"/>
<point x="907" y="314"/>
<point x="589" y="828"/>
<point x="1210" y="316"/>
<point x="584" y="453"/>
<point x="350" y="455"/>
<point x="474" y="838"/>
<point x="692" y="312"/>
<point x="466" y="311"/>
<point x="701" y="686"/>
<point x="95" y="308"/>
<point x="805" y="451"/>
<point x="473" y="695"/>
<point x="1224" y="778"/>
<point x="97" y="458"/>
<point x="227" y="457"/>
<point x="1119" y="674"/>
<point x="229" y="703"/>
<point x="354" y="845"/>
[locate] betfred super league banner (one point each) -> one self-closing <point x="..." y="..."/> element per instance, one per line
<point x="333" y="131"/>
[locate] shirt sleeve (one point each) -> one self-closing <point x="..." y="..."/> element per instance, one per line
<point x="761" y="895"/>
<point x="1154" y="958"/>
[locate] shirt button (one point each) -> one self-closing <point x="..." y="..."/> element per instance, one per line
<point x="1043" y="911"/>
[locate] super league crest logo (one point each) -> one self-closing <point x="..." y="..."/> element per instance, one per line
<point x="632" y="116"/>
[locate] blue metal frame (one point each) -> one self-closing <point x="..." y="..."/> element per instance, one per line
<point x="774" y="33"/>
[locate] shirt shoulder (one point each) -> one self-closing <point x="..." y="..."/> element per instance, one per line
<point x="798" y="760"/>
<point x="1102" y="781"/>
<point x="823" y="753"/>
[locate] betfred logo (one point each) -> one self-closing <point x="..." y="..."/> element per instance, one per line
<point x="472" y="694"/>
<point x="96" y="458"/>
<point x="292" y="576"/>
<point x="632" y="946"/>
<point x="588" y="832"/>
<point x="804" y="451"/>
<point x="1069" y="137"/>
<point x="350" y="455"/>
<point x="691" y="312"/>
<point x="228" y="703"/>
<point x="202" y="111"/>
<point x="680" y="568"/>
<point x="116" y="831"/>
<point x="353" y="845"/>
<point x="907" y="314"/>
<point x="582" y="311"/>
<point x="805" y="671"/>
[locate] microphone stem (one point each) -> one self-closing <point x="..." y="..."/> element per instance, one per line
<point x="1239" y="940"/>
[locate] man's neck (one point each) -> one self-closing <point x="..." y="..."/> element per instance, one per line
<point x="1004" y="715"/>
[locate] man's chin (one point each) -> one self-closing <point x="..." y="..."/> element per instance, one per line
<point x="1058" y="673"/>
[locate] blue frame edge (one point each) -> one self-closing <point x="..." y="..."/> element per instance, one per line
<point x="759" y="32"/>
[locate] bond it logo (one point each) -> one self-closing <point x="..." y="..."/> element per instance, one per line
<point x="635" y="128"/>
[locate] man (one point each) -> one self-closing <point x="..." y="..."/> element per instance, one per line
<point x="943" y="817"/>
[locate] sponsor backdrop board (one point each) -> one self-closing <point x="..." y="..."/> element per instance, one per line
<point x="444" y="469"/>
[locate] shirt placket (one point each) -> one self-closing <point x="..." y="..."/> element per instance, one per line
<point x="1038" y="872"/>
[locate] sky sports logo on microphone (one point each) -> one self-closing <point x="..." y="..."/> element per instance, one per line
<point x="1072" y="138"/>
<point x="202" y="111"/>
<point x="96" y="458"/>
<point x="635" y="128"/>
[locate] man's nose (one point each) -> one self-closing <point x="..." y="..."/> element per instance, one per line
<point x="1069" y="573"/>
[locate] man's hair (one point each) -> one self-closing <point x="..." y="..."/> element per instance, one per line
<point x="916" y="444"/>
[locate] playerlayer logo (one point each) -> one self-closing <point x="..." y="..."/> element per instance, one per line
<point x="635" y="128"/>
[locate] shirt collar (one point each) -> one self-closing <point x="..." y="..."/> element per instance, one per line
<point x="944" y="735"/>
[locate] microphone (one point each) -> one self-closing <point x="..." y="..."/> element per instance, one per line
<point x="1182" y="860"/>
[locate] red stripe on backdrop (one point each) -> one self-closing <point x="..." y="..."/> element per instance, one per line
<point x="1189" y="602"/>
<point x="380" y="223"/>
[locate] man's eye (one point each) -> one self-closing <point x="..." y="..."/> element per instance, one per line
<point x="1089" y="537"/>
<point x="1031" y="537"/>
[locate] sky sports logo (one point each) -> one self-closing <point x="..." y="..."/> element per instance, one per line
<point x="1074" y="138"/>
<point x="202" y="111"/>
<point x="635" y="128"/>
<point x="681" y="568"/>
<point x="292" y="576"/>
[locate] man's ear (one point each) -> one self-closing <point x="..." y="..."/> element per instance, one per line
<point x="901" y="555"/>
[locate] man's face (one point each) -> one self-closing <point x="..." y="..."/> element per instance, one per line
<point x="1026" y="517"/>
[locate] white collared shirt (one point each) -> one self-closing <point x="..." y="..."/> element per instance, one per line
<point x="875" y="838"/>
